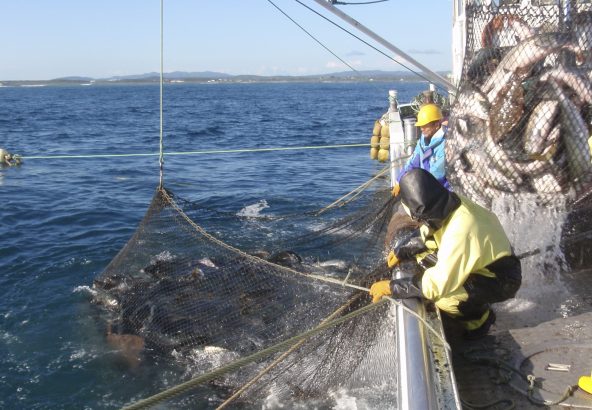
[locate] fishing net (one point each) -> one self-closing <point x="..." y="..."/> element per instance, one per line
<point x="521" y="120"/>
<point x="196" y="298"/>
<point x="520" y="124"/>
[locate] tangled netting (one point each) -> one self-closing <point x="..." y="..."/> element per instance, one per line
<point x="182" y="293"/>
<point x="521" y="120"/>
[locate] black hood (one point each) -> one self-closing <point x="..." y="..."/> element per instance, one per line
<point x="428" y="201"/>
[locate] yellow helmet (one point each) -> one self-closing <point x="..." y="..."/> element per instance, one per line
<point x="428" y="113"/>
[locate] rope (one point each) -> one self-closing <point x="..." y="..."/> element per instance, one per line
<point x="529" y="378"/>
<point x="161" y="154"/>
<point x="284" y="355"/>
<point x="357" y="192"/>
<point x="314" y="38"/>
<point x="198" y="152"/>
<point x="368" y="44"/>
<point x="183" y="387"/>
<point x="325" y="279"/>
<point x="569" y="390"/>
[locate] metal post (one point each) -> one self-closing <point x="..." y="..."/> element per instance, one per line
<point x="397" y="142"/>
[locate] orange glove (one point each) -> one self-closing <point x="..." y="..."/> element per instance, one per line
<point x="391" y="259"/>
<point x="380" y="289"/>
<point x="396" y="189"/>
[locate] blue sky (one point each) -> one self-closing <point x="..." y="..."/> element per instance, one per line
<point x="44" y="39"/>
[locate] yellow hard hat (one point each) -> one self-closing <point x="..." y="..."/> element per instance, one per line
<point x="428" y="113"/>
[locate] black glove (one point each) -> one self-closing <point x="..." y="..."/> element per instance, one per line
<point x="409" y="245"/>
<point x="405" y="288"/>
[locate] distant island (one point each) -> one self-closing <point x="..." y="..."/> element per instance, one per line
<point x="215" y="77"/>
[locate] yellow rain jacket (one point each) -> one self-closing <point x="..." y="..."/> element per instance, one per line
<point x="470" y="239"/>
<point x="465" y="237"/>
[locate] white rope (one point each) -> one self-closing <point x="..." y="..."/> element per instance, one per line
<point x="161" y="153"/>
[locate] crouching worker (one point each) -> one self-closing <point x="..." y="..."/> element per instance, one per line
<point x="467" y="257"/>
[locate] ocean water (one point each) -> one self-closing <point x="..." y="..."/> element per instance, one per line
<point x="63" y="220"/>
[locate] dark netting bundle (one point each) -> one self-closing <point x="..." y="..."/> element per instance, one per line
<point x="185" y="294"/>
<point x="521" y="119"/>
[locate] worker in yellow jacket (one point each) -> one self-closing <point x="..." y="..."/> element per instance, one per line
<point x="468" y="259"/>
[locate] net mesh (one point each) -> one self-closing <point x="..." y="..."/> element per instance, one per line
<point x="200" y="300"/>
<point x="520" y="123"/>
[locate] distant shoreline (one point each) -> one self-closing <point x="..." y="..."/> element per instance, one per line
<point x="222" y="78"/>
<point x="40" y="83"/>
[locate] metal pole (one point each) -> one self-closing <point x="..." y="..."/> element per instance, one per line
<point x="434" y="77"/>
<point x="415" y="384"/>
<point x="397" y="138"/>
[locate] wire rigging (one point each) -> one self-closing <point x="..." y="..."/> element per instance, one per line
<point x="313" y="37"/>
<point x="365" y="42"/>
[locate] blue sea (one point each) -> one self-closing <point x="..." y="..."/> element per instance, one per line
<point x="62" y="220"/>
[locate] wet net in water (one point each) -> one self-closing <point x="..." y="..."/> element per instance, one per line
<point x="192" y="297"/>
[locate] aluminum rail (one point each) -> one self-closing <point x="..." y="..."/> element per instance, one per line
<point x="415" y="387"/>
<point x="431" y="75"/>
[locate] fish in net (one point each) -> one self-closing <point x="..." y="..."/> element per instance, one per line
<point x="192" y="296"/>
<point x="520" y="124"/>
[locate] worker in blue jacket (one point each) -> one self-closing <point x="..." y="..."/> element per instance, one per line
<point x="429" y="152"/>
<point x="468" y="260"/>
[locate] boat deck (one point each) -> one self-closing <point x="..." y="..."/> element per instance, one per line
<point x="556" y="352"/>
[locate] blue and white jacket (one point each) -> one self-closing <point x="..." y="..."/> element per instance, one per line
<point x="430" y="157"/>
